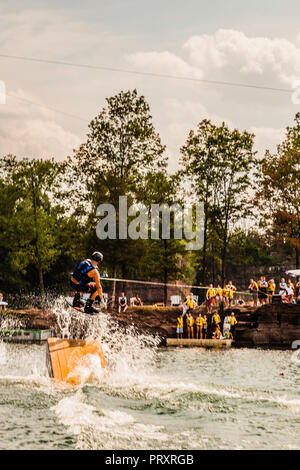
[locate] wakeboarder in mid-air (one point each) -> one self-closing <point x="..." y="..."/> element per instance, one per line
<point x="86" y="278"/>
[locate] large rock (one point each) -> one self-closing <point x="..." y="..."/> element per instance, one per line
<point x="274" y="325"/>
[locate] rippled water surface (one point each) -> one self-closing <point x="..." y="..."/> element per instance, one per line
<point x="152" y="398"/>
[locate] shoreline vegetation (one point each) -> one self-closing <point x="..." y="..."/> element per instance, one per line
<point x="48" y="208"/>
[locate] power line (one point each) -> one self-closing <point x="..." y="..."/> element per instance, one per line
<point x="150" y="74"/>
<point x="161" y="284"/>
<point x="46" y="107"/>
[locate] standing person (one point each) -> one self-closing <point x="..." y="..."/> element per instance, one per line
<point x="199" y="325"/>
<point x="204" y="326"/>
<point x="226" y="295"/>
<point x="190" y="325"/>
<point x="253" y="288"/>
<point x="231" y="288"/>
<point x="282" y="289"/>
<point x="86" y="278"/>
<point x="180" y="326"/>
<point x="219" y="294"/>
<point x="190" y="303"/>
<point x="122" y="303"/>
<point x="271" y="289"/>
<point x="210" y="294"/>
<point x="262" y="290"/>
<point x="233" y="323"/>
<point x="290" y="291"/>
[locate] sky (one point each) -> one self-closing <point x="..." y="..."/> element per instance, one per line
<point x="255" y="42"/>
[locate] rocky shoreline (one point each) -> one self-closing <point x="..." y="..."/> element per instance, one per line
<point x="274" y="326"/>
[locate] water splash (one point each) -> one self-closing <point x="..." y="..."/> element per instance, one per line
<point x="129" y="354"/>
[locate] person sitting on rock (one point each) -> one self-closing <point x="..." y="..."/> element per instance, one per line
<point x="137" y="301"/>
<point x="217" y="333"/>
<point x="122" y="303"/>
<point x="216" y="321"/>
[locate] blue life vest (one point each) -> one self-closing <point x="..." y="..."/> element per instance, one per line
<point x="81" y="271"/>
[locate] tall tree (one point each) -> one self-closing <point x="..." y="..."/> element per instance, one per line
<point x="121" y="147"/>
<point x="278" y="194"/>
<point x="199" y="156"/>
<point x="166" y="257"/>
<point x="219" y="162"/>
<point x="30" y="229"/>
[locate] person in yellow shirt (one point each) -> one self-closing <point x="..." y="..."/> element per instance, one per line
<point x="233" y="323"/>
<point x="180" y="327"/>
<point x="204" y="330"/>
<point x="199" y="326"/>
<point x="216" y="322"/>
<point x="271" y="290"/>
<point x="253" y="289"/>
<point x="219" y="295"/>
<point x="262" y="290"/>
<point x="231" y="288"/>
<point x="210" y="294"/>
<point x="217" y="333"/>
<point x="190" y="303"/>
<point x="190" y="325"/>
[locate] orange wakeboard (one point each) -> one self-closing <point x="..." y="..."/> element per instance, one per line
<point x="67" y="358"/>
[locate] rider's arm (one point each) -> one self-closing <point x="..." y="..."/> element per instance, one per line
<point x="99" y="288"/>
<point x="95" y="275"/>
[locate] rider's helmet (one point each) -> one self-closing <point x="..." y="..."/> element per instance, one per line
<point x="97" y="256"/>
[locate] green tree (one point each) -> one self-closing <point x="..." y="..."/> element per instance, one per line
<point x="278" y="194"/>
<point x="166" y="258"/>
<point x="199" y="156"/>
<point x="219" y="162"/>
<point x="30" y="227"/>
<point x="121" y="147"/>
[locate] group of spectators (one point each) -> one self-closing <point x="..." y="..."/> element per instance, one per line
<point x="216" y="295"/>
<point x="262" y="290"/>
<point x="204" y="328"/>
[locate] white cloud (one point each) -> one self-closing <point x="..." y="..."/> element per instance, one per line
<point x="28" y="130"/>
<point x="33" y="134"/>
<point x="231" y="53"/>
<point x="177" y="106"/>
